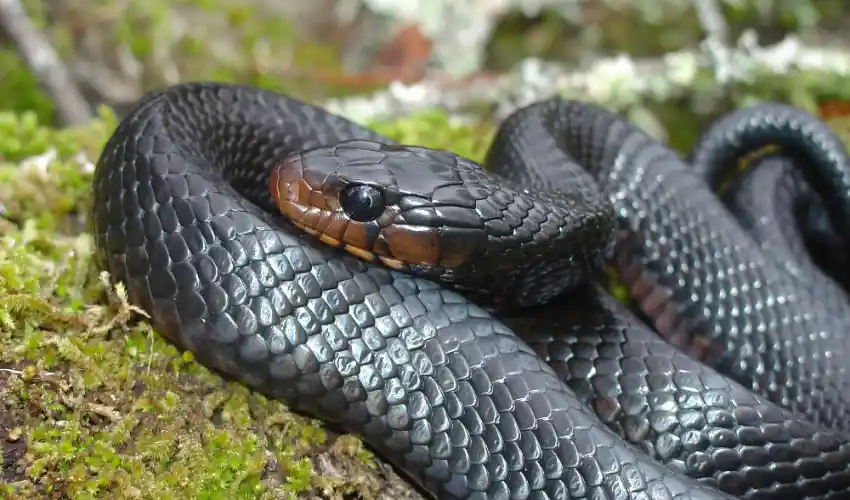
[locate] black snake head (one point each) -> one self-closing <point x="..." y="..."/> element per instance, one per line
<point x="405" y="207"/>
<point x="439" y="215"/>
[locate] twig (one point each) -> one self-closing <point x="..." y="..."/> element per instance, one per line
<point x="37" y="53"/>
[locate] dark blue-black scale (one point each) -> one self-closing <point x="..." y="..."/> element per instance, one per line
<point x="583" y="401"/>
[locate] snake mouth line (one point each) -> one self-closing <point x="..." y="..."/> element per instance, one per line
<point x="353" y="250"/>
<point x="656" y="300"/>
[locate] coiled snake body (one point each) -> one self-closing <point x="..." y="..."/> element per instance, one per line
<point x="586" y="402"/>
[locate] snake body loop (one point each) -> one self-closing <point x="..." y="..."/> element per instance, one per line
<point x="773" y="203"/>
<point x="802" y="140"/>
<point x="587" y="403"/>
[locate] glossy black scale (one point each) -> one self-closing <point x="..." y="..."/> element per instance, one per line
<point x="439" y="387"/>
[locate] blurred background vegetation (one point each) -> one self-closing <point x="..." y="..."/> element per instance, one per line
<point x="96" y="406"/>
<point x="115" y="50"/>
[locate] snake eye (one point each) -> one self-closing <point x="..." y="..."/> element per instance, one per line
<point x="362" y="203"/>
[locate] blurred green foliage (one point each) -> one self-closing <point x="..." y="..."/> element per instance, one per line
<point x="175" y="38"/>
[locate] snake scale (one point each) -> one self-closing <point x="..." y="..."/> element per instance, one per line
<point x="737" y="390"/>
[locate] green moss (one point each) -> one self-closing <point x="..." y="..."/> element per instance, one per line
<point x="432" y="128"/>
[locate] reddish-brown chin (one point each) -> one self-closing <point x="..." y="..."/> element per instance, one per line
<point x="282" y="176"/>
<point x="289" y="190"/>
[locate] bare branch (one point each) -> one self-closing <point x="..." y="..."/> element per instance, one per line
<point x="43" y="62"/>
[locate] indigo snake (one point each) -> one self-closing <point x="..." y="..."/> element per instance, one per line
<point x="554" y="390"/>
